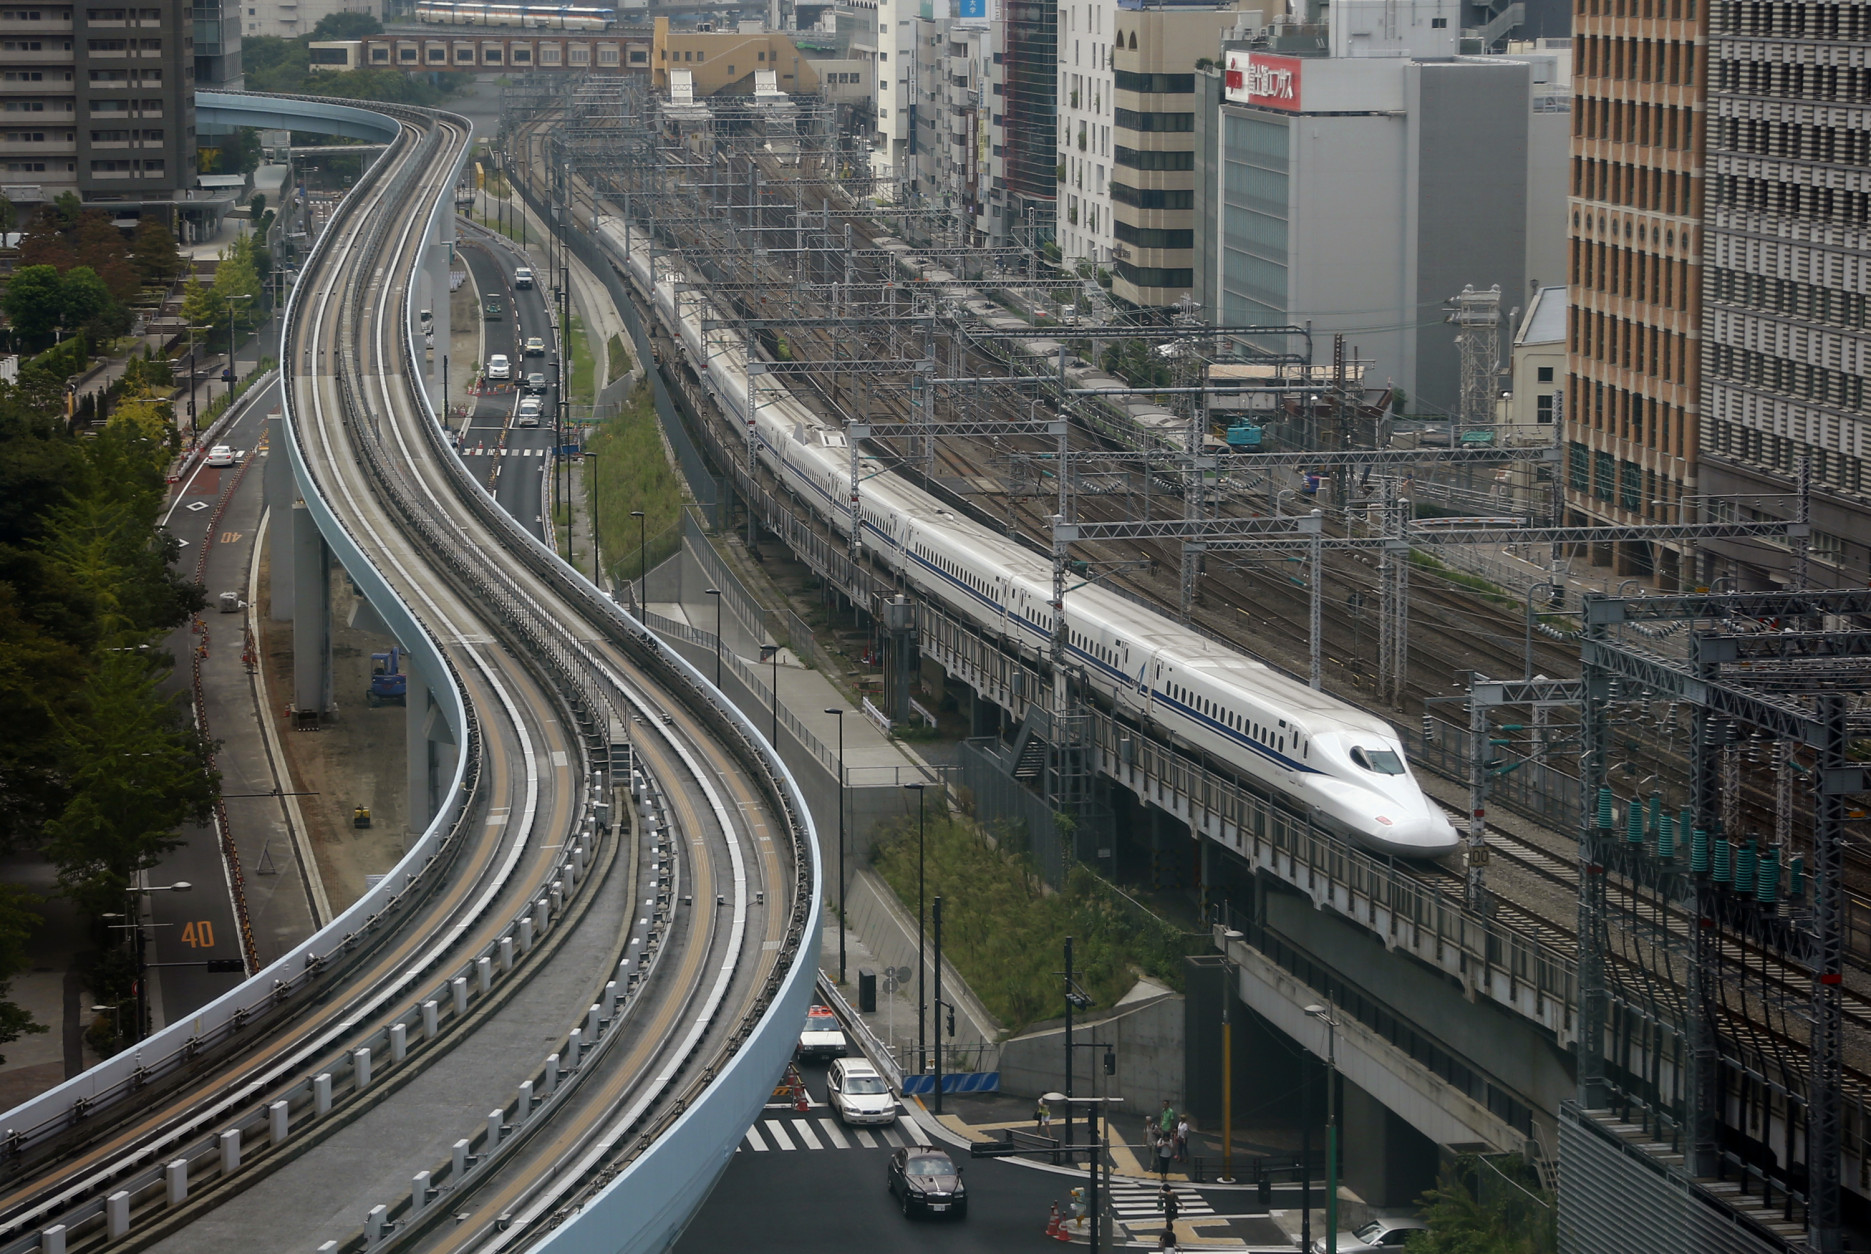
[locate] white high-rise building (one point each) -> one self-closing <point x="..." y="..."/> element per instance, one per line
<point x="1127" y="137"/>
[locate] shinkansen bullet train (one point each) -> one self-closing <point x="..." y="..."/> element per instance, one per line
<point x="1342" y="765"/>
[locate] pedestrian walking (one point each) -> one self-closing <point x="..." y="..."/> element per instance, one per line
<point x="1182" y="1139"/>
<point x="1172" y="1206"/>
<point x="1165" y="1148"/>
<point x="1167" y="1241"/>
<point x="1042" y="1116"/>
<point x="1166" y="1122"/>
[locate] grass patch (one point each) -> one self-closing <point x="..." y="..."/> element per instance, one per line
<point x="1006" y="934"/>
<point x="619" y="357"/>
<point x="633" y="472"/>
<point x="584" y="365"/>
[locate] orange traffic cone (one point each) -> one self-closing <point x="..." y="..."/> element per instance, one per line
<point x="804" y="1102"/>
<point x="1052" y="1223"/>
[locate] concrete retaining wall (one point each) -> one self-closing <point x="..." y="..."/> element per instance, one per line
<point x="1148" y="1037"/>
<point x="889" y="930"/>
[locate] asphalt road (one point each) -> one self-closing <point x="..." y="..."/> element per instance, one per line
<point x="513" y="461"/>
<point x="818" y="1197"/>
<point x="189" y="929"/>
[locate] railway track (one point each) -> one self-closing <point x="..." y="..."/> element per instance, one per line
<point x="571" y="712"/>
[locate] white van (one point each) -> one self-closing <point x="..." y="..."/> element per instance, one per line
<point x="522" y="278"/>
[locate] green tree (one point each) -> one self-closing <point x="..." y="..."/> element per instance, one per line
<point x="346" y="26"/>
<point x="237" y="276"/>
<point x="67" y="208"/>
<point x="139" y="771"/>
<point x="34" y="303"/>
<point x="153" y="251"/>
<point x="100" y="245"/>
<point x="84" y="300"/>
<point x="1485" y="1207"/>
<point x="273" y="64"/>
<point x="17" y="921"/>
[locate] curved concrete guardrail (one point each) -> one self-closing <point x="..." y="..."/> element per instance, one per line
<point x="128" y="1072"/>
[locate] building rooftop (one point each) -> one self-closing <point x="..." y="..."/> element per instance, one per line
<point x="1545" y="322"/>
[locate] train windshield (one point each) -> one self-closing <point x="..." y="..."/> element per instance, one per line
<point x="1380" y="761"/>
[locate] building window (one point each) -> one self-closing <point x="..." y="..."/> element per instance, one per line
<point x="1439" y="23"/>
<point x="1543" y="407"/>
<point x="1159" y="123"/>
<point x="1545" y="374"/>
<point x="1169" y="84"/>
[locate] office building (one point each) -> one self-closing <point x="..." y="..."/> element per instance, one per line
<point x="101" y="102"/>
<point x="289" y="19"/>
<point x="1633" y="403"/>
<point x="1361" y="193"/>
<point x="217" y="46"/>
<point x="1786" y="284"/>
<point x="1127" y="96"/>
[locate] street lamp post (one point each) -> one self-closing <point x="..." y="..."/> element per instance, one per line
<point x="193" y="434"/>
<point x="591" y="486"/>
<point x="716" y="594"/>
<point x="1227" y="1060"/>
<point x="1324" y="1015"/>
<point x="841" y="839"/>
<point x="936" y="924"/>
<point x="233" y="326"/>
<point x="922" y="1003"/>
<point x="643" y="563"/>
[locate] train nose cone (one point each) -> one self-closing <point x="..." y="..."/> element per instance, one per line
<point x="1426" y="834"/>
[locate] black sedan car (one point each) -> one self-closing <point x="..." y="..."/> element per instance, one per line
<point x="926" y="1181"/>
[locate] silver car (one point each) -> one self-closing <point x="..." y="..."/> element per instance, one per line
<point x="1374" y="1237"/>
<point x="530" y="409"/>
<point x="857" y="1094"/>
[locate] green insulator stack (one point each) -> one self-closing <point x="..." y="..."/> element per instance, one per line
<point x="1767" y="886"/>
<point x="1723" y="870"/>
<point x="1634" y="822"/>
<point x="1796" y="878"/>
<point x="1699" y="850"/>
<point x="1666" y="837"/>
<point x="1746" y="861"/>
<point x="1605" y="818"/>
<point x="1656" y="812"/>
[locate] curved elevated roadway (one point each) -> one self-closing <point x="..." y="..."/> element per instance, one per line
<point x="554" y="1020"/>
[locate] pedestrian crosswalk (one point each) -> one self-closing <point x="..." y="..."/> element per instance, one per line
<point x="822" y="1133"/>
<point x="483" y="451"/>
<point x="1139" y="1202"/>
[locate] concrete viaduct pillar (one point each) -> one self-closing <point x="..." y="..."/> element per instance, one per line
<point x="311" y="615"/>
<point x="280" y="493"/>
<point x="430" y="743"/>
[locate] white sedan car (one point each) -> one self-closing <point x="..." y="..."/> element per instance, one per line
<point x="498" y="367"/>
<point x="1374" y="1237"/>
<point x="857" y="1094"/>
<point x="221" y="455"/>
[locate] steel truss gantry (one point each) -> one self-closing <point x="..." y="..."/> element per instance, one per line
<point x="1788" y="667"/>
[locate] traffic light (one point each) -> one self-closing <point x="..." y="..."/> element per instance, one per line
<point x="951" y="1020"/>
<point x="226" y="966"/>
<point x="1110" y="1061"/>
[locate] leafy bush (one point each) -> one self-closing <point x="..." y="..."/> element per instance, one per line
<point x="1005" y="932"/>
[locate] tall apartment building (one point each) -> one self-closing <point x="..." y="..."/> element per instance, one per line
<point x="1786" y="258"/>
<point x="949" y="166"/>
<point x="896" y="66"/>
<point x="99" y="101"/>
<point x="1029" y="79"/>
<point x="1633" y="405"/>
<point x="1127" y="105"/>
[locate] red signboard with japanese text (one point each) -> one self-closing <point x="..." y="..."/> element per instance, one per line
<point x="1258" y="78"/>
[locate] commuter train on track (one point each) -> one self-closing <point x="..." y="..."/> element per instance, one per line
<point x="1342" y="765"/>
<point x="526" y="16"/>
